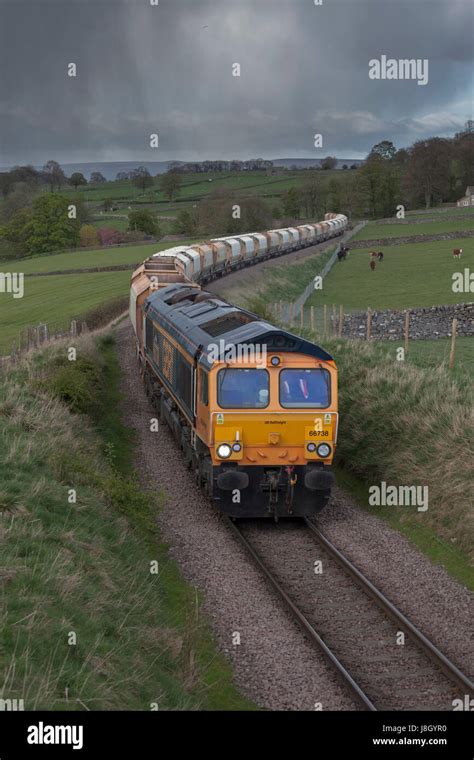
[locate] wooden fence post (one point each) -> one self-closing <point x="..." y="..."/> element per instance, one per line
<point x="341" y="319"/>
<point x="291" y="313"/>
<point x="325" y="319"/>
<point x="302" y="316"/>
<point x="311" y="311"/>
<point x="369" y="322"/>
<point x="453" y="343"/>
<point x="334" y="325"/>
<point x="407" y="328"/>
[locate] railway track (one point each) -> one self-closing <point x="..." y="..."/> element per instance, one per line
<point x="381" y="657"/>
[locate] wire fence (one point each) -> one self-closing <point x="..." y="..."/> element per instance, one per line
<point x="325" y="320"/>
<point x="301" y="300"/>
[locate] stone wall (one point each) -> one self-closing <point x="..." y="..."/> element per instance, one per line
<point x="429" y="322"/>
<point x="379" y="243"/>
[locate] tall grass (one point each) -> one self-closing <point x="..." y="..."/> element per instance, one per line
<point x="405" y="425"/>
<point x="85" y="623"/>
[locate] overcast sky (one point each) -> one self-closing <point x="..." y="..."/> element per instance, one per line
<point x="143" y="69"/>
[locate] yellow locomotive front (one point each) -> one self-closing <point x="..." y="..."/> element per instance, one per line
<point x="253" y="407"/>
<point x="272" y="433"/>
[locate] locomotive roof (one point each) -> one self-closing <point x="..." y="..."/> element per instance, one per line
<point x="202" y="323"/>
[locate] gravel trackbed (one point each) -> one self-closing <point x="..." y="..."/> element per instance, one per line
<point x="274" y="664"/>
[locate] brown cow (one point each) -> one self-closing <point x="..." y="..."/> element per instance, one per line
<point x="457" y="253"/>
<point x="372" y="265"/>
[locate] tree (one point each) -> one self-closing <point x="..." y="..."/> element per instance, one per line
<point x="26" y="174"/>
<point x="107" y="204"/>
<point x="428" y="170"/>
<point x="463" y="161"/>
<point x="141" y="178"/>
<point x="54" y="174"/>
<point x="144" y="221"/>
<point x="186" y="222"/>
<point x="89" y="237"/>
<point x="329" y="163"/>
<point x="310" y="193"/>
<point x="45" y="227"/>
<point x="384" y="150"/>
<point x="401" y="157"/>
<point x="333" y="200"/>
<point x="6" y="183"/>
<point x="170" y="184"/>
<point x="377" y="189"/>
<point x="97" y="178"/>
<point x="291" y="202"/>
<point x="344" y="166"/>
<point x="77" y="179"/>
<point x="121" y="176"/>
<point x="109" y="236"/>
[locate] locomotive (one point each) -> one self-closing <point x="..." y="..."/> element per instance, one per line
<point x="252" y="406"/>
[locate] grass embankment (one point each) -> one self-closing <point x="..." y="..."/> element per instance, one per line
<point x="406" y="425"/>
<point x="86" y="623"/>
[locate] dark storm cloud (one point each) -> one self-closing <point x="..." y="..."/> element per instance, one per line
<point x="167" y="69"/>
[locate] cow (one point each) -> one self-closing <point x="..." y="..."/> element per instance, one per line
<point x="373" y="254"/>
<point x="457" y="253"/>
<point x="372" y="265"/>
<point x="380" y="255"/>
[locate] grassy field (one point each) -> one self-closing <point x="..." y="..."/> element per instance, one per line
<point x="196" y="187"/>
<point x="376" y="231"/>
<point x="82" y="259"/>
<point x="410" y="275"/>
<point x="56" y="300"/>
<point x="116" y="223"/>
<point x="431" y="353"/>
<point x="90" y="622"/>
<point x="440" y="211"/>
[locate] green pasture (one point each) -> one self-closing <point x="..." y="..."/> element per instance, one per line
<point x="194" y="187"/>
<point x="82" y="259"/>
<point x="432" y="353"/>
<point x="56" y="300"/>
<point x="374" y="231"/>
<point x="409" y="276"/>
<point x="440" y="211"/>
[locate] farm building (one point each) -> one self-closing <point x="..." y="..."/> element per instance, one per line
<point x="468" y="198"/>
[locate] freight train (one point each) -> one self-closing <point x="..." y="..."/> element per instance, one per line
<point x="252" y="406"/>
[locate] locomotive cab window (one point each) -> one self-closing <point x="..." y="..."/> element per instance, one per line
<point x="243" y="388"/>
<point x="302" y="388"/>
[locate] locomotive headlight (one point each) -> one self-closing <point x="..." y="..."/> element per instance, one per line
<point x="323" y="450"/>
<point x="237" y="447"/>
<point x="311" y="447"/>
<point x="224" y="451"/>
<point x="275" y="361"/>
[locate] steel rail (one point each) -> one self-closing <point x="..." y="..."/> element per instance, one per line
<point x="304" y="622"/>
<point x="435" y="655"/>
